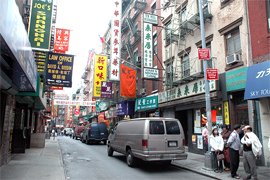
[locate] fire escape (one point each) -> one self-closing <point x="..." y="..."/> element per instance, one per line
<point x="185" y="20"/>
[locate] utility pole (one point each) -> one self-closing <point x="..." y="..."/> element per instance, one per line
<point x="208" y="162"/>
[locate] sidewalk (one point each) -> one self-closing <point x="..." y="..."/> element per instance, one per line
<point x="195" y="163"/>
<point x="35" y="164"/>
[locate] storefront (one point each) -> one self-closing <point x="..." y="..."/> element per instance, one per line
<point x="235" y="87"/>
<point x="187" y="103"/>
<point x="147" y="107"/>
<point x="125" y="108"/>
<point x="258" y="90"/>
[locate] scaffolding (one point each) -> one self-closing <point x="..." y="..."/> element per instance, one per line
<point x="185" y="20"/>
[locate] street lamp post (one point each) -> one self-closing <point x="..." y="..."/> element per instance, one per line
<point x="208" y="162"/>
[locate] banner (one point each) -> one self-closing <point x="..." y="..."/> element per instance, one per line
<point x="100" y="73"/>
<point x="59" y="69"/>
<point x="74" y="103"/>
<point x="128" y="81"/>
<point x="106" y="90"/>
<point x="77" y="111"/>
<point x="148" y="45"/>
<point x="39" y="31"/>
<point x="94" y="107"/>
<point x="70" y="113"/>
<point x="61" y="40"/>
<point x="101" y="116"/>
<point x="57" y="88"/>
<point x="116" y="40"/>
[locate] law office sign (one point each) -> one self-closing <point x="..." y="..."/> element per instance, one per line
<point x="39" y="31"/>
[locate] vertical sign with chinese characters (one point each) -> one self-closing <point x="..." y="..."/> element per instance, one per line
<point x="106" y="90"/>
<point x="128" y="81"/>
<point x="40" y="24"/>
<point x="226" y="113"/>
<point x="148" y="45"/>
<point x="61" y="40"/>
<point x="116" y="40"/>
<point x="100" y="73"/>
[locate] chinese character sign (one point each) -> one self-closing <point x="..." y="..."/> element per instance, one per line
<point x="148" y="45"/>
<point x="106" y="90"/>
<point x="100" y="73"/>
<point x="40" y="24"/>
<point x="128" y="81"/>
<point x="116" y="40"/>
<point x="61" y="40"/>
<point x="59" y="69"/>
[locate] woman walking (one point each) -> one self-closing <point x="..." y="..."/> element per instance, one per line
<point x="225" y="136"/>
<point x="217" y="145"/>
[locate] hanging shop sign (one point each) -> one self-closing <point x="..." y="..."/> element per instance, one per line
<point x="40" y="58"/>
<point x="57" y="88"/>
<point x="59" y="70"/>
<point x="150" y="18"/>
<point x="236" y="79"/>
<point x="39" y="30"/>
<point x="70" y="112"/>
<point x="146" y="103"/>
<point x="106" y="90"/>
<point x="77" y="111"/>
<point x="74" y="103"/>
<point x="150" y="73"/>
<point x="125" y="108"/>
<point x="15" y="37"/>
<point x="94" y="107"/>
<point x="258" y="81"/>
<point x="128" y="81"/>
<point x="101" y="116"/>
<point x="186" y="90"/>
<point x="148" y="45"/>
<point x="116" y="40"/>
<point x="61" y="40"/>
<point x="101" y="106"/>
<point x="100" y="73"/>
<point x="226" y="112"/>
<point x="212" y="74"/>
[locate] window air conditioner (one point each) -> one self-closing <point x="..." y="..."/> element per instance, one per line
<point x="143" y="91"/>
<point x="233" y="58"/>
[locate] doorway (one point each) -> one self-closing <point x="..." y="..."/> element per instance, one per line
<point x="182" y="116"/>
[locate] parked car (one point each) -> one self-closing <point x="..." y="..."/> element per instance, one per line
<point x="95" y="132"/>
<point x="77" y="132"/>
<point x="148" y="139"/>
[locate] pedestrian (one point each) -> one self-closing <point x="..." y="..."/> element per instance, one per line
<point x="225" y="136"/>
<point x="252" y="149"/>
<point x="59" y="132"/>
<point x="205" y="138"/>
<point x="242" y="133"/>
<point x="234" y="145"/>
<point x="53" y="133"/>
<point x="217" y="145"/>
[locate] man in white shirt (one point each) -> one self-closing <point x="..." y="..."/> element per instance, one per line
<point x="249" y="159"/>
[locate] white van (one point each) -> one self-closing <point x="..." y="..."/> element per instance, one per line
<point x="149" y="139"/>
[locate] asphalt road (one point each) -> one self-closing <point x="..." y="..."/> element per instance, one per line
<point x="82" y="161"/>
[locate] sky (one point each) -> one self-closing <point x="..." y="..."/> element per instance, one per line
<point x="87" y="19"/>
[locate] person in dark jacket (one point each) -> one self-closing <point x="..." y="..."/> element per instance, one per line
<point x="225" y="136"/>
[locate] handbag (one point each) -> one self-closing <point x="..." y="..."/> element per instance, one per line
<point x="220" y="157"/>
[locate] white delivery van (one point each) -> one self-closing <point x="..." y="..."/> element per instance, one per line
<point x="149" y="139"/>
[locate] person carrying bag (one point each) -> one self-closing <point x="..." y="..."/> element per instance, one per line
<point x="217" y="145"/>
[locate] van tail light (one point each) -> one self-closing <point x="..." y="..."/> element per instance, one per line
<point x="89" y="128"/>
<point x="144" y="143"/>
<point x="184" y="142"/>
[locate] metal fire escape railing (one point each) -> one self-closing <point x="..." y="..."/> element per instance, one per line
<point x="185" y="19"/>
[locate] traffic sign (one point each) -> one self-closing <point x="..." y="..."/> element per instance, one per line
<point x="204" y="53"/>
<point x="212" y="74"/>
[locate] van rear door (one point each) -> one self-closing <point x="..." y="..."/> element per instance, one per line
<point x="156" y="141"/>
<point x="173" y="138"/>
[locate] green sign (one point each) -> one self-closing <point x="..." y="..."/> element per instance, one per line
<point x="149" y="18"/>
<point x="101" y="106"/>
<point x="147" y="103"/>
<point x="40" y="24"/>
<point x="236" y="79"/>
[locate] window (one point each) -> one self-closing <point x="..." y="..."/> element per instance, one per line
<point x="156" y="127"/>
<point x="153" y="7"/>
<point x="169" y="74"/>
<point x="183" y="15"/>
<point x="233" y="42"/>
<point x="185" y="66"/>
<point x="168" y="28"/>
<point x="144" y="83"/>
<point x="155" y="86"/>
<point x="209" y="62"/>
<point x="172" y="127"/>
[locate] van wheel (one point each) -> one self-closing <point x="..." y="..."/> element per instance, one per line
<point x="109" y="151"/>
<point x="131" y="160"/>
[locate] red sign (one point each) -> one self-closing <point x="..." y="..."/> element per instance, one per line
<point x="57" y="88"/>
<point x="101" y="116"/>
<point x="61" y="40"/>
<point x="212" y="74"/>
<point x="204" y="53"/>
<point x="94" y="107"/>
<point x="77" y="112"/>
<point x="128" y="81"/>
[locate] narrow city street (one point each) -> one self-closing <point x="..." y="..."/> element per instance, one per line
<point x="82" y="161"/>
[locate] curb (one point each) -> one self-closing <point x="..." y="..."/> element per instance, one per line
<point x="61" y="159"/>
<point x="195" y="171"/>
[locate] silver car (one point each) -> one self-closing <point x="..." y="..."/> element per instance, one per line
<point x="149" y="139"/>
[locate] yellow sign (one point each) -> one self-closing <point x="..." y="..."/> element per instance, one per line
<point x="100" y="73"/>
<point x="226" y="112"/>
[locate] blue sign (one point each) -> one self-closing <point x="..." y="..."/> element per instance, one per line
<point x="125" y="108"/>
<point x="13" y="32"/>
<point x="258" y="81"/>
